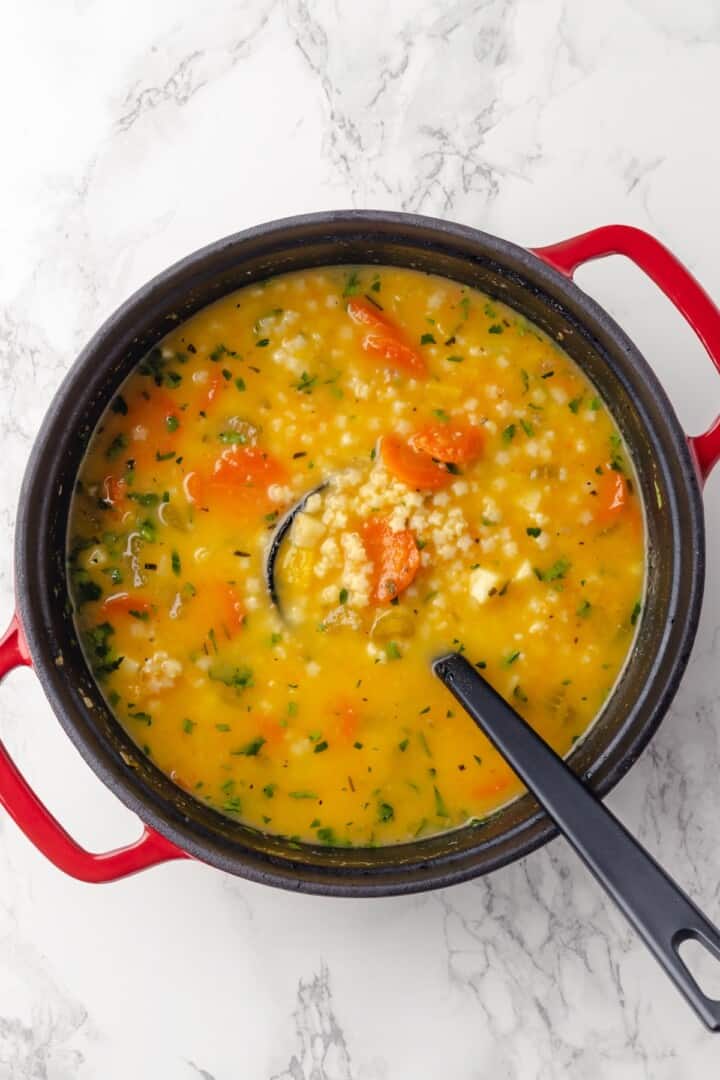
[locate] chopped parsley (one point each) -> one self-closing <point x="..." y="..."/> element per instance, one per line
<point x="555" y="572"/>
<point x="240" y="678"/>
<point x="118" y="444"/>
<point x="352" y="284"/>
<point x="305" y="383"/>
<point x="251" y="749"/>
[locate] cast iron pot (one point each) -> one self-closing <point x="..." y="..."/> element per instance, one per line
<point x="670" y="467"/>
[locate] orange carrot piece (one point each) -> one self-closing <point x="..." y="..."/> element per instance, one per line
<point x="126" y="604"/>
<point x="413" y="467"/>
<point x="158" y="415"/>
<point x="366" y="314"/>
<point x="385" y="339"/>
<point x="498" y="779"/>
<point x="612" y="497"/>
<point x="460" y="444"/>
<point x="395" y="353"/>
<point x="346" y="719"/>
<point x="241" y="475"/>
<point x="272" y="731"/>
<point x="395" y="558"/>
<point x="215" y="386"/>
<point x="114" y="491"/>
<point x="235" y="613"/>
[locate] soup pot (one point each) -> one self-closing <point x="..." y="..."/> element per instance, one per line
<point x="538" y="284"/>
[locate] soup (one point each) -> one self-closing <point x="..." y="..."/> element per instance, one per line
<point x="467" y="489"/>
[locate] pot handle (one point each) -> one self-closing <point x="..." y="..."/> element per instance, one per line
<point x="44" y="831"/>
<point x="676" y="282"/>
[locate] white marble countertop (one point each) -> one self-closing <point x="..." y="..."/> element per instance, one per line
<point x="132" y="135"/>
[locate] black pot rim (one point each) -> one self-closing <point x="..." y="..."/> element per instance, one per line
<point x="279" y="872"/>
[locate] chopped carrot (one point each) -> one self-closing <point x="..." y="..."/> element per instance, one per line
<point x="413" y="467"/>
<point x="154" y="418"/>
<point x="366" y="314"/>
<point x="114" y="491"/>
<point x="215" y="386"/>
<point x="235" y="613"/>
<point x="345" y="719"/>
<point x="127" y="604"/>
<point x="155" y="410"/>
<point x="241" y="476"/>
<point x="219" y="605"/>
<point x="395" y="558"/>
<point x="612" y="497"/>
<point x="385" y="339"/>
<point x="456" y="443"/>
<point x="272" y="731"/>
<point x="499" y="777"/>
<point x="395" y="353"/>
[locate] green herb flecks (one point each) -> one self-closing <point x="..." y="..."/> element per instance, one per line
<point x="116" y="447"/>
<point x="250" y="749"/>
<point x="239" y="678"/>
<point x="352" y="284"/>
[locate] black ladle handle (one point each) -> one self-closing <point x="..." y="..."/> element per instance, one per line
<point x="659" y="910"/>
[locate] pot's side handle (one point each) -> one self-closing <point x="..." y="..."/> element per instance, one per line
<point x="44" y="831"/>
<point x="676" y="282"/>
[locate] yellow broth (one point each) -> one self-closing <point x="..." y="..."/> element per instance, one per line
<point x="478" y="496"/>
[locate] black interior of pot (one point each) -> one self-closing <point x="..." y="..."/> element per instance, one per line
<point x="667" y="481"/>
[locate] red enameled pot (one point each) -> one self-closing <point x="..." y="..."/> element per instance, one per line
<point x="537" y="283"/>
